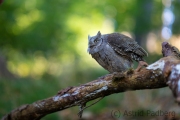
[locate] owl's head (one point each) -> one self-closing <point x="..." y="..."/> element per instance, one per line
<point x="95" y="43"/>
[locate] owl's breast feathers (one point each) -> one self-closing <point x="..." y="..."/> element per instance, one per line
<point x="126" y="47"/>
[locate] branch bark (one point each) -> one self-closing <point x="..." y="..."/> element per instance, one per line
<point x="156" y="75"/>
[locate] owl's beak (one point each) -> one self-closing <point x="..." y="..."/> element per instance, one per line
<point x="91" y="46"/>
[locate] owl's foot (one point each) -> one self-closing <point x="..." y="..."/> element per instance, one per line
<point x="130" y="71"/>
<point x="141" y="65"/>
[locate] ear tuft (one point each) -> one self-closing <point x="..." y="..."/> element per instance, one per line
<point x="99" y="34"/>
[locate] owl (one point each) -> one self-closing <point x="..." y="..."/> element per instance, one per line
<point x="115" y="52"/>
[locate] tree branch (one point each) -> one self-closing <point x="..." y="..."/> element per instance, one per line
<point x="154" y="76"/>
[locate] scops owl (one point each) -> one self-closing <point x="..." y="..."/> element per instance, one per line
<point x="115" y="52"/>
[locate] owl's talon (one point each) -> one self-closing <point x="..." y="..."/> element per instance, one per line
<point x="141" y="65"/>
<point x="130" y="71"/>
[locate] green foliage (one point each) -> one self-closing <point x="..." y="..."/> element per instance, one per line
<point x="29" y="26"/>
<point x="57" y="31"/>
<point x="24" y="91"/>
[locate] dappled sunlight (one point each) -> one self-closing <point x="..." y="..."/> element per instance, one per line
<point x="30" y="4"/>
<point x="108" y="26"/>
<point x="27" y="66"/>
<point x="23" y="21"/>
<point x="67" y="57"/>
<point x="175" y="41"/>
<point x="127" y="34"/>
<point x="55" y="68"/>
<point x="23" y="70"/>
<point x="153" y="44"/>
<point x="80" y="24"/>
<point x="39" y="67"/>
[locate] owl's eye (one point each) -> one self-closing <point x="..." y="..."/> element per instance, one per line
<point x="95" y="41"/>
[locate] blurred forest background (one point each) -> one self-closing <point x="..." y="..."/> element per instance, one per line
<point x="43" y="49"/>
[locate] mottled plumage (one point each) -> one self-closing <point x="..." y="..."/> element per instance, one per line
<point x="115" y="52"/>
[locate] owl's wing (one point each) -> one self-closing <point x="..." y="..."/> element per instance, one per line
<point x="126" y="46"/>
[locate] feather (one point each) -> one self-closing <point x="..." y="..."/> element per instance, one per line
<point x="126" y="46"/>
